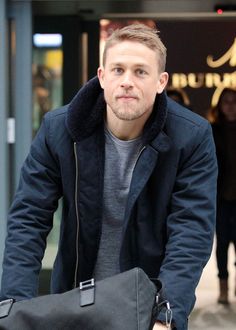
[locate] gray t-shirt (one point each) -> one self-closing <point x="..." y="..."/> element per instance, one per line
<point x="120" y="159"/>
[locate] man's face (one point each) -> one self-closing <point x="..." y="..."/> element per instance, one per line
<point x="131" y="80"/>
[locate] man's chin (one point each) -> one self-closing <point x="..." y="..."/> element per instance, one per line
<point x="127" y="116"/>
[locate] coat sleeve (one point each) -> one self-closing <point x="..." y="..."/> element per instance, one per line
<point x="30" y="219"/>
<point x="190" y="225"/>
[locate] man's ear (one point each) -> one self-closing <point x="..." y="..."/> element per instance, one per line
<point x="163" y="80"/>
<point x="100" y="74"/>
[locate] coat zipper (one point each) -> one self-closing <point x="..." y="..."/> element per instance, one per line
<point x="77" y="211"/>
<point x="77" y="216"/>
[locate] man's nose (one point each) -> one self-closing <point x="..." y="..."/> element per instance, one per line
<point x="127" y="80"/>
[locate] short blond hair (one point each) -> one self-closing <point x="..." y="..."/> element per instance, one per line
<point x="138" y="33"/>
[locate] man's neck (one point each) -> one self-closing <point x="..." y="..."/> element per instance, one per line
<point x="125" y="129"/>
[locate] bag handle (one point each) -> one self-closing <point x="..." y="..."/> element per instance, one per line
<point x="5" y="307"/>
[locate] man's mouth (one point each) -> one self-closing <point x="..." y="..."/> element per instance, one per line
<point x="127" y="97"/>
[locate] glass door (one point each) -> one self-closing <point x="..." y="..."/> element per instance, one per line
<point x="46" y="75"/>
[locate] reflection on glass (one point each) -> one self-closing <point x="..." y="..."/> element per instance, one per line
<point x="52" y="240"/>
<point x="47" y="95"/>
<point x="47" y="79"/>
<point x="47" y="40"/>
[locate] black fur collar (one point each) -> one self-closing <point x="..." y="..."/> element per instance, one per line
<point x="86" y="112"/>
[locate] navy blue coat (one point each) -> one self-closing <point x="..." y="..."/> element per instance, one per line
<point x="170" y="214"/>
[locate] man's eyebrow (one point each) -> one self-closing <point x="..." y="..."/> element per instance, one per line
<point x="116" y="64"/>
<point x="136" y="65"/>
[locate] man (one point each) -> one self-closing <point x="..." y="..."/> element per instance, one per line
<point x="137" y="173"/>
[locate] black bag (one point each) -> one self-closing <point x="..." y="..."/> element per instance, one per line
<point x="127" y="301"/>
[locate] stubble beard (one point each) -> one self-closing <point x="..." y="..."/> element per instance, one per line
<point x="127" y="112"/>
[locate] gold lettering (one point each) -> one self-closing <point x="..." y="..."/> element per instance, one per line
<point x="216" y="79"/>
<point x="179" y="80"/>
<point x="196" y="80"/>
<point x="230" y="56"/>
<point x="210" y="80"/>
<point x="232" y="79"/>
<point x="216" y="95"/>
<point x="227" y="80"/>
<point x="207" y="80"/>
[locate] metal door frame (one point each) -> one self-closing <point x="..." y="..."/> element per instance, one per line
<point x="16" y="101"/>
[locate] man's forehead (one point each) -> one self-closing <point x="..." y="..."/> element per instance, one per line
<point x="132" y="45"/>
<point x="130" y="50"/>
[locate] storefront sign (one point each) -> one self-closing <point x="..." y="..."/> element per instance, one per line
<point x="210" y="80"/>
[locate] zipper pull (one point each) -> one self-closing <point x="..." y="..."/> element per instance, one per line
<point x="168" y="315"/>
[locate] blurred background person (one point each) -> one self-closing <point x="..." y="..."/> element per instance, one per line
<point x="42" y="93"/>
<point x="223" y="119"/>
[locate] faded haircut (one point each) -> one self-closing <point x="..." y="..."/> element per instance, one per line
<point x="138" y="33"/>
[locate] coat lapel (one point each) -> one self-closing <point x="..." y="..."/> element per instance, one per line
<point x="144" y="168"/>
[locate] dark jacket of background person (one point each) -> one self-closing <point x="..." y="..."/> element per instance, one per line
<point x="170" y="214"/>
<point x="224" y="136"/>
<point x="226" y="182"/>
<point x="223" y="119"/>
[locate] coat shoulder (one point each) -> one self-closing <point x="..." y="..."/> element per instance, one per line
<point x="54" y="128"/>
<point x="182" y="115"/>
<point x="56" y="114"/>
<point x="184" y="122"/>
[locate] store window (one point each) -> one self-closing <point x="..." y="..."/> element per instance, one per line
<point x="47" y="95"/>
<point x="47" y="75"/>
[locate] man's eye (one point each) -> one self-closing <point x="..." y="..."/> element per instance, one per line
<point x="141" y="72"/>
<point x="118" y="70"/>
